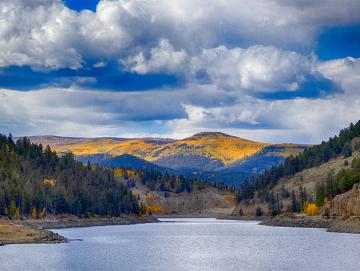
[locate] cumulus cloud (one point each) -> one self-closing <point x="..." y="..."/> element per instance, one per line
<point x="230" y="54"/>
<point x="345" y="71"/>
<point x="299" y="120"/>
<point x="162" y="58"/>
<point x="258" y="68"/>
<point x="52" y="36"/>
<point x="253" y="70"/>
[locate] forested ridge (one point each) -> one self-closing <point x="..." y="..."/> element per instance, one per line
<point x="155" y="180"/>
<point x="339" y="145"/>
<point x="36" y="181"/>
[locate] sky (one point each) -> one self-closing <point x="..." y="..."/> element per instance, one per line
<point x="271" y="71"/>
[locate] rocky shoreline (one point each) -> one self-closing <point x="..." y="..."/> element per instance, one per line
<point x="350" y="225"/>
<point x="60" y="222"/>
<point x="301" y="222"/>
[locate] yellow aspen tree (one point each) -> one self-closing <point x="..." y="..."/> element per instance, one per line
<point x="33" y="213"/>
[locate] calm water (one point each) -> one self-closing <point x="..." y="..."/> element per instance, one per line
<point x="189" y="244"/>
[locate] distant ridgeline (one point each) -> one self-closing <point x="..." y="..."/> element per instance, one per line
<point x="341" y="145"/>
<point x="208" y="155"/>
<point x="35" y="181"/>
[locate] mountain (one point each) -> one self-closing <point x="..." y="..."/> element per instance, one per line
<point x="207" y="155"/>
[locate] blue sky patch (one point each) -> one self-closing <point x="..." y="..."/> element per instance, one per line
<point x="80" y="5"/>
<point x="105" y="78"/>
<point x="339" y="42"/>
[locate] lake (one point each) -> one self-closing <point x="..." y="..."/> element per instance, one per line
<point x="189" y="244"/>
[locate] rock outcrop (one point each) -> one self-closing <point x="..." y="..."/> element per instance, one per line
<point x="348" y="203"/>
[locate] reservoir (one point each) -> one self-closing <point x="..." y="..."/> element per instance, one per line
<point x="189" y="244"/>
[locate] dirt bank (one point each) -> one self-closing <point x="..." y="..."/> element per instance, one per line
<point x="19" y="234"/>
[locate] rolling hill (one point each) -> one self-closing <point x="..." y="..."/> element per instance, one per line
<point x="207" y="155"/>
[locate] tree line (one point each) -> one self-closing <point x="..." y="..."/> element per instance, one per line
<point x="167" y="182"/>
<point x="36" y="181"/>
<point x="340" y="183"/>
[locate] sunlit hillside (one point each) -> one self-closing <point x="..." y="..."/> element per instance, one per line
<point x="137" y="147"/>
<point x="217" y="146"/>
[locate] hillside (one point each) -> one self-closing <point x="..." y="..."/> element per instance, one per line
<point x="35" y="181"/>
<point x="216" y="146"/>
<point x="252" y="165"/>
<point x="164" y="194"/>
<point x="208" y="155"/>
<point x="318" y="176"/>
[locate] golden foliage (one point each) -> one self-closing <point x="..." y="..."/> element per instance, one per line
<point x="311" y="209"/>
<point x="120" y="172"/>
<point x="136" y="147"/>
<point x="33" y="213"/>
<point x="154" y="209"/>
<point x="49" y="182"/>
<point x="212" y="145"/>
<point x="149" y="198"/>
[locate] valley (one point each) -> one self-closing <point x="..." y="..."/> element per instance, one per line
<point x="209" y="155"/>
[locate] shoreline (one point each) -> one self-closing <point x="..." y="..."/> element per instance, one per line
<point x="38" y="231"/>
<point x="11" y="233"/>
<point x="350" y="225"/>
<point x="75" y="222"/>
<point x="218" y="217"/>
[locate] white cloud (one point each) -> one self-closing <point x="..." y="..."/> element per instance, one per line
<point x="46" y="33"/>
<point x="345" y="71"/>
<point x="163" y="58"/>
<point x="38" y="35"/>
<point x="226" y="50"/>
<point x="299" y="120"/>
<point x="177" y="113"/>
<point x="258" y="68"/>
<point x="254" y="69"/>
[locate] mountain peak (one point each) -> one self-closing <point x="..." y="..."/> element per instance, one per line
<point x="211" y="134"/>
